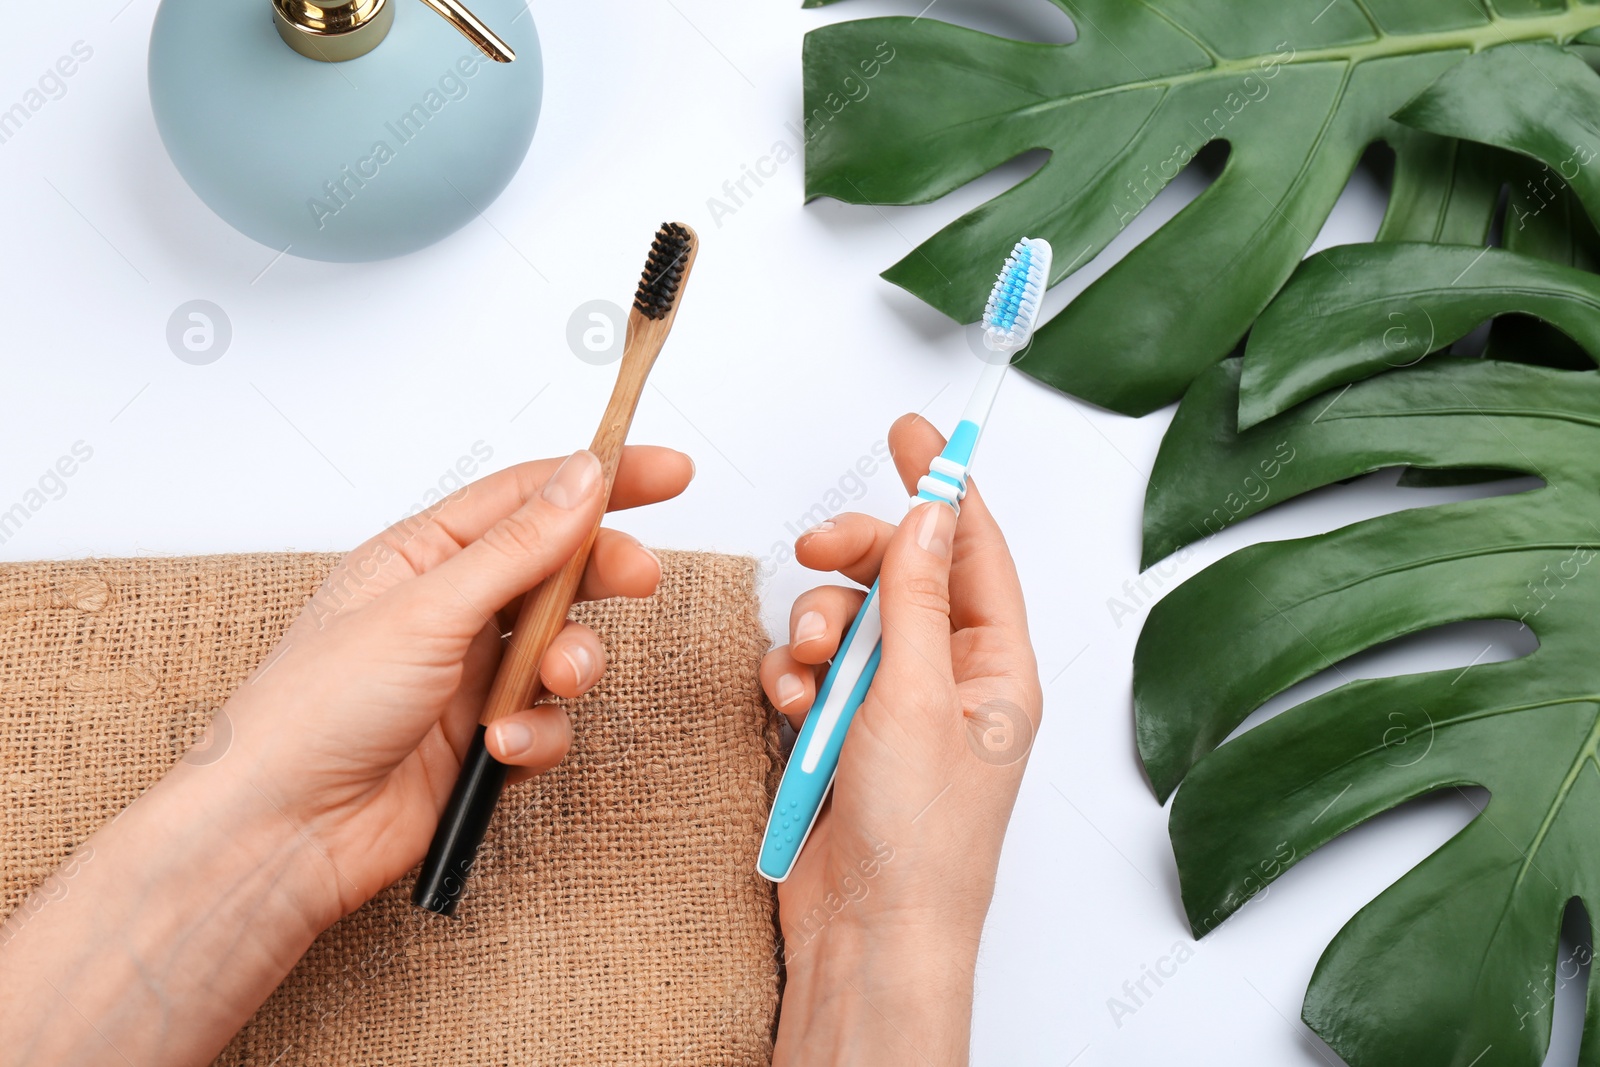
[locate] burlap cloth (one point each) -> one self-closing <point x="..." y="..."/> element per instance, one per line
<point x="614" y="916"/>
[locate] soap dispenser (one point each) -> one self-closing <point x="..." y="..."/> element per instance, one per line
<point x="345" y="130"/>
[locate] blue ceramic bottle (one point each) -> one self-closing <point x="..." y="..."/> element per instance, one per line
<point x="347" y="129"/>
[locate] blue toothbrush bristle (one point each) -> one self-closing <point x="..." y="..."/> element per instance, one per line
<point x="1013" y="306"/>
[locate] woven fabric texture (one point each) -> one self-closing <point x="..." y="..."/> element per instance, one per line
<point x="614" y="916"/>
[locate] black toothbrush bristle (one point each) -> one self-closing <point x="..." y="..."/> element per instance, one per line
<point x="663" y="271"/>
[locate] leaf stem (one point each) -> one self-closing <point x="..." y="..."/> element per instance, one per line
<point x="1495" y="31"/>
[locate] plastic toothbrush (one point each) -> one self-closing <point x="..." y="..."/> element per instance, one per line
<point x="1008" y="322"/>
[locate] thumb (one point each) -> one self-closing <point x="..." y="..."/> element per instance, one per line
<point x="914" y="595"/>
<point x="523" y="548"/>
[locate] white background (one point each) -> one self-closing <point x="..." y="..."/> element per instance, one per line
<point x="349" y="391"/>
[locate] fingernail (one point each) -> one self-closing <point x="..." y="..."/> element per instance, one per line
<point x="581" y="660"/>
<point x="935" y="527"/>
<point x="790" y="688"/>
<point x="574" y="481"/>
<point x="822" y="527"/>
<point x="809" y="627"/>
<point x="643" y="549"/>
<point x="513" y="738"/>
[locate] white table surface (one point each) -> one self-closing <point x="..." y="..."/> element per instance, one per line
<point x="349" y="391"/>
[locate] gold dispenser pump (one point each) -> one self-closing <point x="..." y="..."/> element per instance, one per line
<point x="337" y="30"/>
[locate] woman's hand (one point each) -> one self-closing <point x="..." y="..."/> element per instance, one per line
<point x="357" y="723"/>
<point x="882" y="914"/>
<point x="322" y="778"/>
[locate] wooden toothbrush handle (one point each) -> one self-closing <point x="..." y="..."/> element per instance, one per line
<point x="465" y="820"/>
<point x="544" y="609"/>
<point x="543" y="615"/>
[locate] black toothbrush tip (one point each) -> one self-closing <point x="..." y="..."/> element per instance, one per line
<point x="663" y="271"/>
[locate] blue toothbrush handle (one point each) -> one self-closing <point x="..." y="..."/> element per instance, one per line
<point x="815" y="758"/>
<point x="816" y="751"/>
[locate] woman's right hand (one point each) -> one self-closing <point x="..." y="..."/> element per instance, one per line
<point x="882" y="914"/>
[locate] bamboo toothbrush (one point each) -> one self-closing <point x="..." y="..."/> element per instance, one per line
<point x="544" y="610"/>
<point x="1008" y="322"/>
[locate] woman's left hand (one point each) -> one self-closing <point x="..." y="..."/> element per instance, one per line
<point x="356" y="724"/>
<point x="322" y="778"/>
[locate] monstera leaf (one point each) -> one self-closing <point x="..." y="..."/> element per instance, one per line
<point x="1457" y="958"/>
<point x="905" y="110"/>
<point x="1367" y="308"/>
<point x="1361" y="309"/>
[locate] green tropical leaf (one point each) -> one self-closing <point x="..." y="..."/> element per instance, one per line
<point x="1356" y="310"/>
<point x="1297" y="96"/>
<point x="1545" y="219"/>
<point x="1487" y="98"/>
<point x="1451" y="960"/>
<point x="1444" y="190"/>
<point x="1541" y="218"/>
<point x="1450" y="194"/>
<point x="1538" y="100"/>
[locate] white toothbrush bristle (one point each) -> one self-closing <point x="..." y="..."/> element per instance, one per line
<point x="1013" y="308"/>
